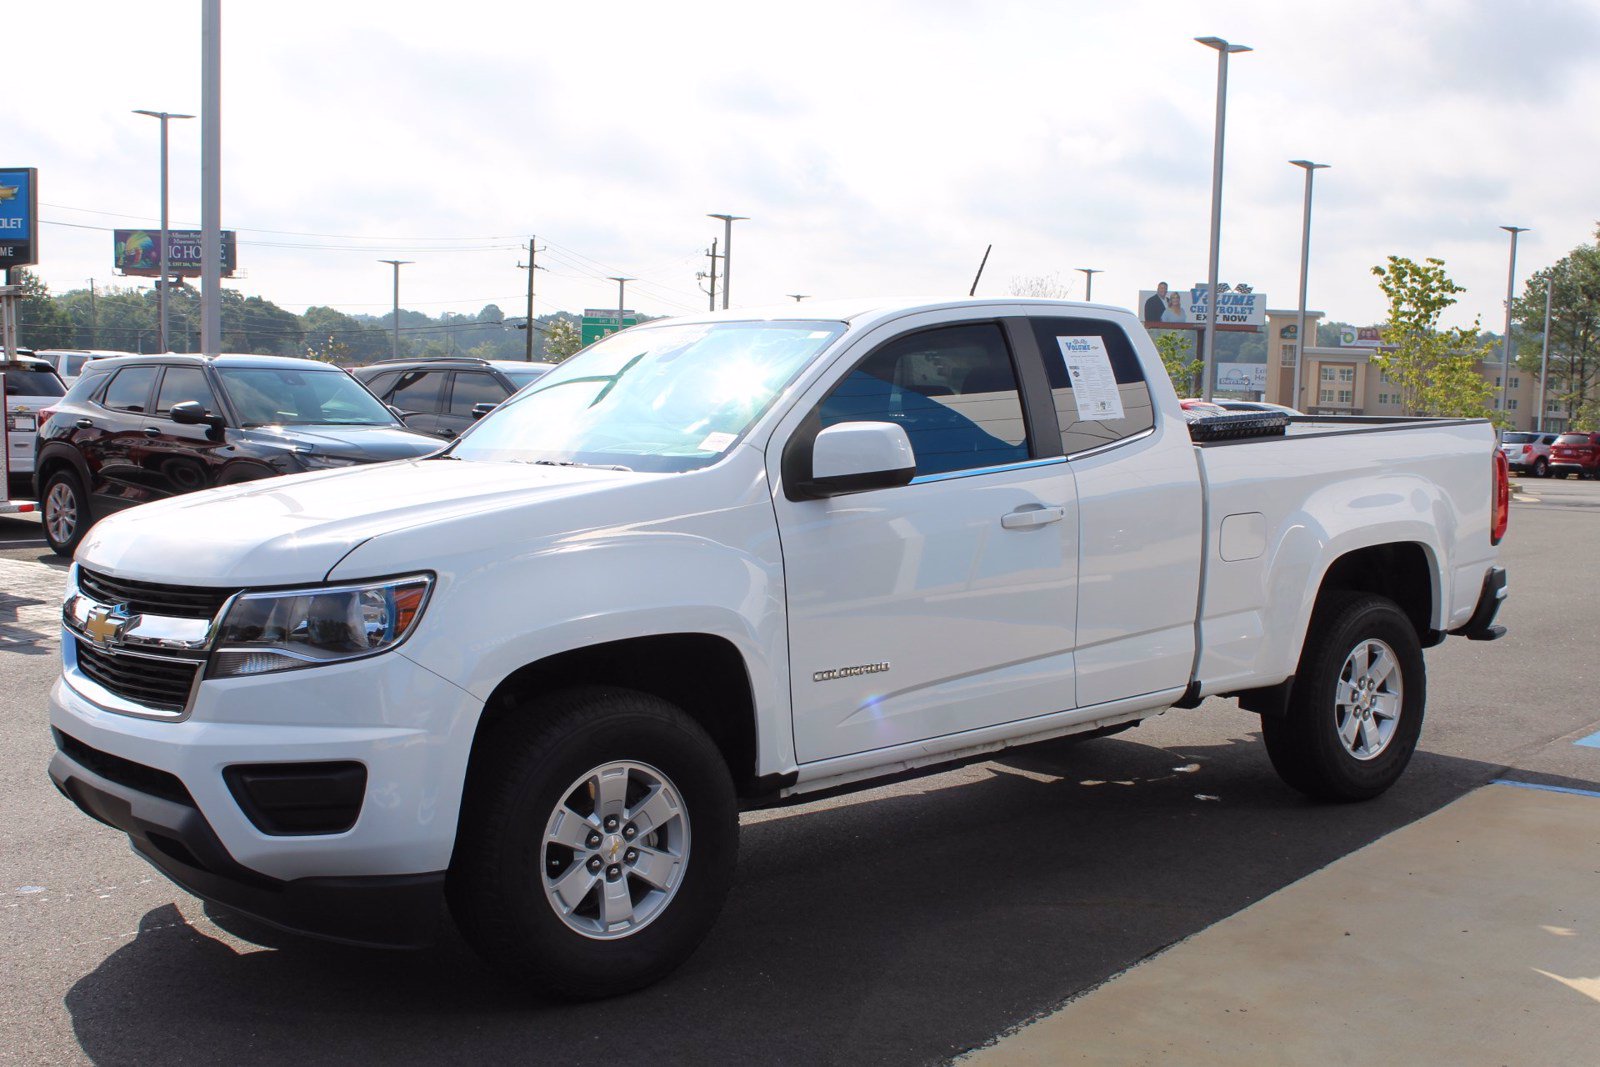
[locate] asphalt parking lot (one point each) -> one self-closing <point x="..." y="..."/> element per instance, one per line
<point x="903" y="925"/>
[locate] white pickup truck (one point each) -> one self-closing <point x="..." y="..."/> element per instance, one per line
<point x="732" y="561"/>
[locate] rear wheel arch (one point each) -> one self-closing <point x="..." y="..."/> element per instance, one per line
<point x="1401" y="571"/>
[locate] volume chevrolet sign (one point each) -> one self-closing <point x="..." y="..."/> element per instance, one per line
<point x="19" y="216"/>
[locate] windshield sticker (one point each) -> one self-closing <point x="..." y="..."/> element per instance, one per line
<point x="716" y="442"/>
<point x="1094" y="386"/>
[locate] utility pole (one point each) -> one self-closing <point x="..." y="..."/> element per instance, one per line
<point x="1088" y="281"/>
<point x="711" y="255"/>
<point x="397" y="264"/>
<point x="530" y="266"/>
<point x="94" y="318"/>
<point x="210" y="178"/>
<point x="797" y="296"/>
<point x="161" y="283"/>
<point x="727" y="252"/>
<point x="622" y="284"/>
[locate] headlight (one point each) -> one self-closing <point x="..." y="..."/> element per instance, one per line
<point x="283" y="631"/>
<point x="317" y="461"/>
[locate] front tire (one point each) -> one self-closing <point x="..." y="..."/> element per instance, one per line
<point x="64" y="507"/>
<point x="597" y="842"/>
<point x="1355" y="713"/>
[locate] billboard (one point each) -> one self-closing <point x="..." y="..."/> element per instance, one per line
<point x="1186" y="309"/>
<point x="19" y="216"/>
<point x="1361" y="336"/>
<point x="1242" y="377"/>
<point x="138" y="252"/>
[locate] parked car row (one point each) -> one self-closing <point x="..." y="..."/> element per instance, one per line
<point x="1576" y="453"/>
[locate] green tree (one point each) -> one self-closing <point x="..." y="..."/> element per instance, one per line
<point x="561" y="339"/>
<point x="1573" y="380"/>
<point x="1436" y="370"/>
<point x="1177" y="355"/>
<point x="41" y="321"/>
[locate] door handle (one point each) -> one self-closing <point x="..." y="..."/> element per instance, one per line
<point x="84" y="424"/>
<point x="1027" y="517"/>
<point x="152" y="431"/>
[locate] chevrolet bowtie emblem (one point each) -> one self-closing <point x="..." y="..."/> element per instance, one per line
<point x="9" y="192"/>
<point x="104" y="624"/>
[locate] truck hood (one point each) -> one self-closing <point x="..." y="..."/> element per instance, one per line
<point x="282" y="531"/>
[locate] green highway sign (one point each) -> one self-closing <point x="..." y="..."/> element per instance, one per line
<point x="598" y="322"/>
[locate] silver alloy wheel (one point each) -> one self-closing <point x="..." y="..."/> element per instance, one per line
<point x="61" y="513"/>
<point x="615" y="850"/>
<point x="1370" y="694"/>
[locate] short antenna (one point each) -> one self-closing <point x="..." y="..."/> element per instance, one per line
<point x="974" y="290"/>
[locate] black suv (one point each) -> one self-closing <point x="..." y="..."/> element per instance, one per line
<point x="443" y="395"/>
<point x="139" y="428"/>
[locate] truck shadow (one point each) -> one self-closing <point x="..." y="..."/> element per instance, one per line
<point x="895" y="927"/>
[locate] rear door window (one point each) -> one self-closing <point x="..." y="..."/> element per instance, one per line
<point x="130" y="389"/>
<point x="1096" y="382"/>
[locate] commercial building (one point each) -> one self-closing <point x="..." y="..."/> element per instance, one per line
<point x="1343" y="380"/>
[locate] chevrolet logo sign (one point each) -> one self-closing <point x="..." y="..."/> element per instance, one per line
<point x="104" y="625"/>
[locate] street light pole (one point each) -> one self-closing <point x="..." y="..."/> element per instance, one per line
<point x="1305" y="265"/>
<point x="1088" y="281"/>
<point x="1544" y="349"/>
<point x="727" y="253"/>
<point x="394" y="347"/>
<point x="1209" y="356"/>
<point x="211" y="177"/>
<point x="1511" y="281"/>
<point x="622" y="302"/>
<point x="161" y="284"/>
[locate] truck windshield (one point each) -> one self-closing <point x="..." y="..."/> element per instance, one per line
<point x="659" y="398"/>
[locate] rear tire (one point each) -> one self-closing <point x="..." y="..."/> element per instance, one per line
<point x="1541" y="468"/>
<point x="64" y="507"/>
<point x="1355" y="713"/>
<point x="644" y="800"/>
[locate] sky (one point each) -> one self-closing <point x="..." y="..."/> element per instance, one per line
<point x="877" y="146"/>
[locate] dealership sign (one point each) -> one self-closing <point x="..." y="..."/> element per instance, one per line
<point x="1239" y="306"/>
<point x="19" y="216"/>
<point x="138" y="252"/>
<point x="1242" y="377"/>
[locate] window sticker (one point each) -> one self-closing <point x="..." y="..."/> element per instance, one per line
<point x="1094" y="385"/>
<point x="717" y="442"/>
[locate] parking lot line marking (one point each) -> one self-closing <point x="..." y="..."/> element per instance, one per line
<point x="1592" y="741"/>
<point x="1547" y="788"/>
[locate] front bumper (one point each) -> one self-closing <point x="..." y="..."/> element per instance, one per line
<point x="393" y="911"/>
<point x="165" y="783"/>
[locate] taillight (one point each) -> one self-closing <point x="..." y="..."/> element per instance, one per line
<point x="1527" y="450"/>
<point x="1501" y="498"/>
<point x="44" y="415"/>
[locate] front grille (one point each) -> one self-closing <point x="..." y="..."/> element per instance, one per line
<point x="153" y="598"/>
<point x="155" y="683"/>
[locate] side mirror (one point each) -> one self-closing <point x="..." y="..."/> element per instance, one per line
<point x="191" y="413"/>
<point x="854" y="457"/>
<point x="480" y="410"/>
<point x="396" y="412"/>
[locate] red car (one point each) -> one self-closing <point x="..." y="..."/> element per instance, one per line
<point x="1576" y="453"/>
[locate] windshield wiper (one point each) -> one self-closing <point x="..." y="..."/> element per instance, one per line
<point x="575" y="463"/>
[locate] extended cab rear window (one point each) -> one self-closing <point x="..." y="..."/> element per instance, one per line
<point x="1094" y="415"/>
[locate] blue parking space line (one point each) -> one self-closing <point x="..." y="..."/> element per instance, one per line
<point x="1592" y="741"/>
<point x="1547" y="788"/>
